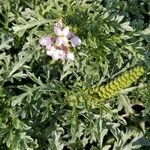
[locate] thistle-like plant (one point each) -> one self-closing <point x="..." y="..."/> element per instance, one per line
<point x="33" y="109"/>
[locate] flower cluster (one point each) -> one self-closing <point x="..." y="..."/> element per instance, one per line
<point x="58" y="47"/>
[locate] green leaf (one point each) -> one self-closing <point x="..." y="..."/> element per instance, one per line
<point x="21" y="29"/>
<point x="5" y="42"/>
<point x="125" y="102"/>
<point x="126" y="26"/>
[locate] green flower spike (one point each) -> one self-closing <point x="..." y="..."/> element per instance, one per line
<point x="121" y="82"/>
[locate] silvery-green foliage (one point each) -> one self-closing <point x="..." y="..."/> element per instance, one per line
<point x="34" y="110"/>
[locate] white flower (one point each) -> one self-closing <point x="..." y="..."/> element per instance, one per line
<point x="58" y="47"/>
<point x="45" y="41"/>
<point x="59" y="54"/>
<point x="56" y="53"/>
<point x="75" y="41"/>
<point x="51" y="51"/>
<point x="70" y="56"/>
<point x="62" y="36"/>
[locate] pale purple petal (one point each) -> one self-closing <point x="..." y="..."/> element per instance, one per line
<point x="75" y="41"/>
<point x="70" y="56"/>
<point x="45" y="41"/>
<point x="66" y="31"/>
<point x="65" y="41"/>
<point x="48" y="47"/>
<point x="70" y="34"/>
<point x="59" y="41"/>
<point x="58" y="31"/>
